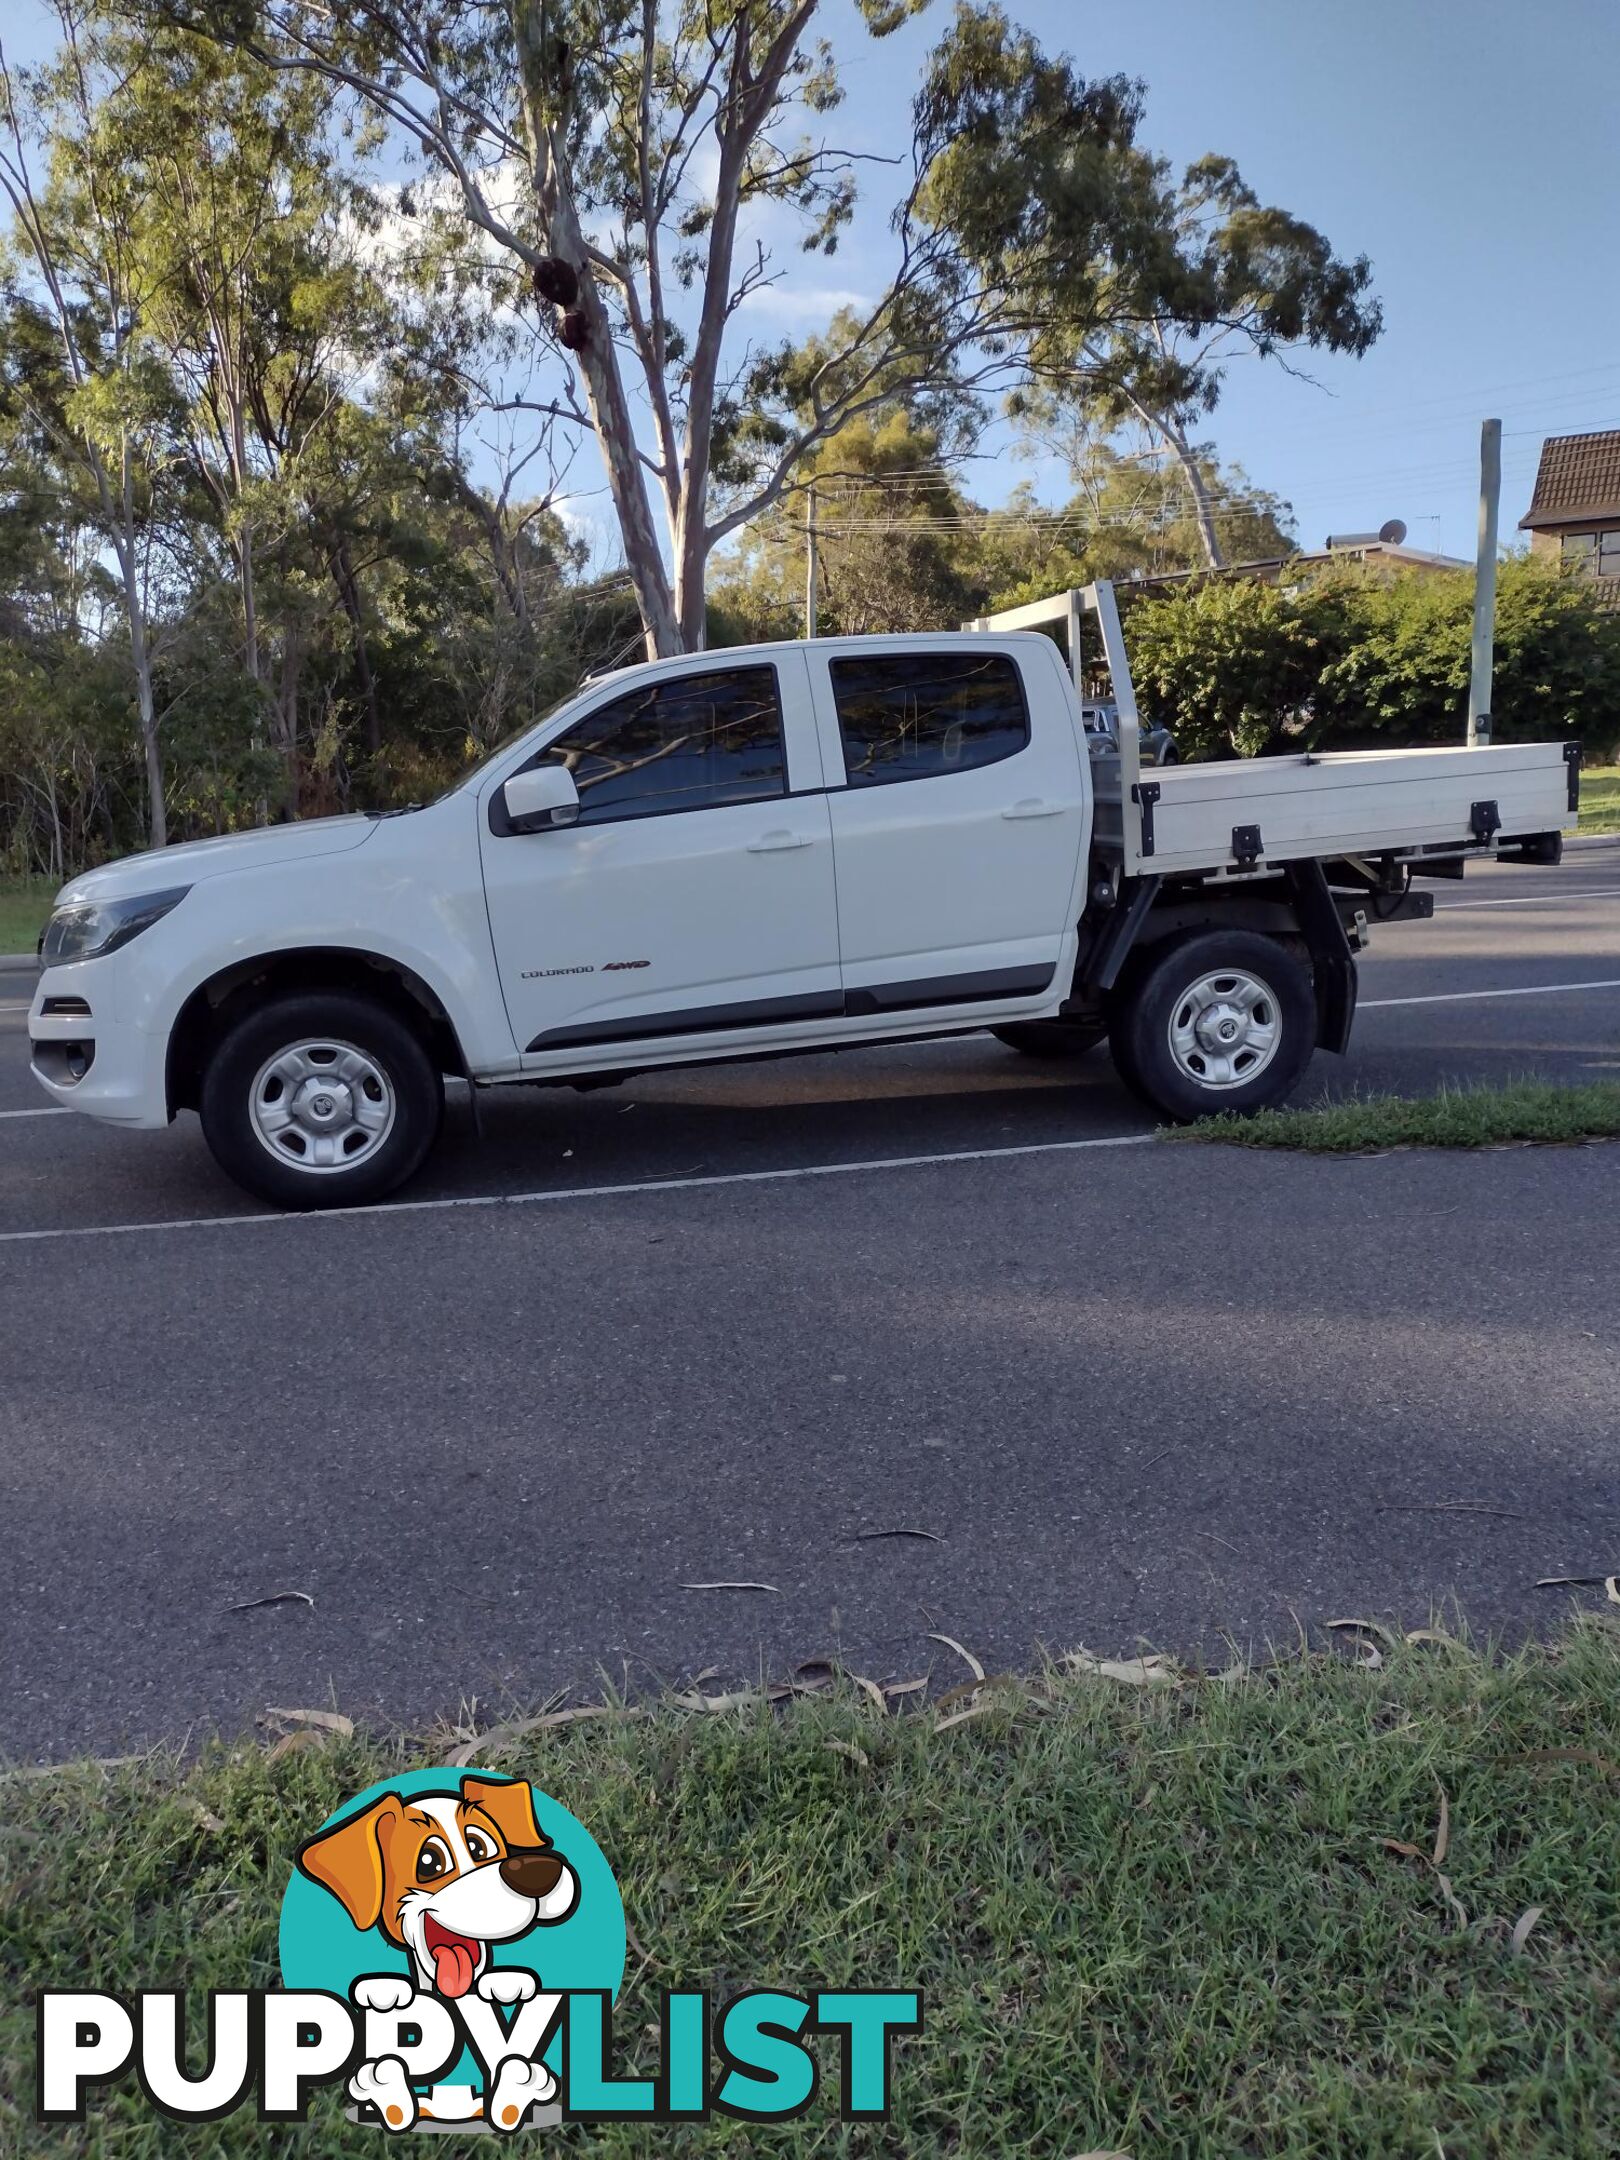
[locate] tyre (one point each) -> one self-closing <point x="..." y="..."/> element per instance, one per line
<point x="320" y="1099"/>
<point x="1050" y="1038"/>
<point x="1224" y="1020"/>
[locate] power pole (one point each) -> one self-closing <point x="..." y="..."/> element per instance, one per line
<point x="810" y="563"/>
<point x="1490" y="495"/>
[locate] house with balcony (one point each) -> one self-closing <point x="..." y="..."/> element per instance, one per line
<point x="1574" y="515"/>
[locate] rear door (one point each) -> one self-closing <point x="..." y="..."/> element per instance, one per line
<point x="959" y="811"/>
<point x="694" y="897"/>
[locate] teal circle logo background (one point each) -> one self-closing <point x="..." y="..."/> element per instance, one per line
<point x="320" y="1946"/>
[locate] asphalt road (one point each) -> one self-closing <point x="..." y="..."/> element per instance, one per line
<point x="1136" y="1394"/>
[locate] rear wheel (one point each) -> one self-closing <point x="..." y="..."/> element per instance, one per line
<point x="1050" y="1038"/>
<point x="1224" y="1020"/>
<point x="320" y="1099"/>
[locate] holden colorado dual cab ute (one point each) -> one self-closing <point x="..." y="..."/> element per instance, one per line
<point x="759" y="851"/>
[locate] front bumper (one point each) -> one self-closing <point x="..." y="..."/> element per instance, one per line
<point x="86" y="1058"/>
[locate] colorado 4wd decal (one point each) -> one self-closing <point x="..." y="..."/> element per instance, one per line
<point x="451" y="1946"/>
<point x="608" y="967"/>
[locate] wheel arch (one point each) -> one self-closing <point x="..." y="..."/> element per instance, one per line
<point x="221" y="997"/>
<point x="1296" y="908"/>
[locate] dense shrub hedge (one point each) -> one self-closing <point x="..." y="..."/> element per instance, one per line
<point x="1359" y="659"/>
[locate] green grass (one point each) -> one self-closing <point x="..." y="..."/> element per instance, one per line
<point x="1162" y="1920"/>
<point x="1600" y="799"/>
<point x="1458" y="1117"/>
<point x="24" y="905"/>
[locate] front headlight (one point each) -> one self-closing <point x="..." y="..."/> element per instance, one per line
<point x="92" y="927"/>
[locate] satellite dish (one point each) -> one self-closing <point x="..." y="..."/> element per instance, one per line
<point x="1390" y="535"/>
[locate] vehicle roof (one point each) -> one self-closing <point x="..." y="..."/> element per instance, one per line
<point x="878" y="640"/>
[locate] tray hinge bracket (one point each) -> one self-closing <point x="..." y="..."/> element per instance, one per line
<point x="1247" y="846"/>
<point x="1145" y="793"/>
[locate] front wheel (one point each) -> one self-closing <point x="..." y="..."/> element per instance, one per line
<point x="1224" y="1020"/>
<point x="320" y="1100"/>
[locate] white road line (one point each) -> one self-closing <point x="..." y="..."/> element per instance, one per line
<point x="582" y="1192"/>
<point x="1467" y="997"/>
<point x="735" y="1177"/>
<point x="1546" y="899"/>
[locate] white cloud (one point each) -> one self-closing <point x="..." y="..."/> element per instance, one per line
<point x="397" y="238"/>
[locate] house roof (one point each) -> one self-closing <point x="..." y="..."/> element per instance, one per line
<point x="1371" y="551"/>
<point x="1579" y="478"/>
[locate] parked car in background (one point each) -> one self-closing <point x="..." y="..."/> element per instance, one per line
<point x="1101" y="723"/>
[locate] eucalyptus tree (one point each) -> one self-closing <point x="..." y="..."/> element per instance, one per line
<point x="79" y="290"/>
<point x="630" y="160"/>
<point x="246" y="223"/>
<point x="1230" y="276"/>
<point x="308" y="356"/>
<point x="896" y="537"/>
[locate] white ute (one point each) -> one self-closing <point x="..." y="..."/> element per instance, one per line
<point x="778" y="848"/>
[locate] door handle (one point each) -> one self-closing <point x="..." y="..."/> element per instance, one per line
<point x="1032" y="806"/>
<point x="777" y="840"/>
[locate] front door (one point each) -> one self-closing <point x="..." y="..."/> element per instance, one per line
<point x="694" y="897"/>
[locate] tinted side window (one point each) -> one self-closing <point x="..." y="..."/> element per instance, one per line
<point x="689" y="744"/>
<point x="911" y="716"/>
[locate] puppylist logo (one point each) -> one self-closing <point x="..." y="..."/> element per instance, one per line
<point x="451" y="1947"/>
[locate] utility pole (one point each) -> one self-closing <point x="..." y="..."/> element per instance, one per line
<point x="810" y="563"/>
<point x="1490" y="494"/>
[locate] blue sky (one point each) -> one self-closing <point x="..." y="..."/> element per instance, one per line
<point x="1466" y="146"/>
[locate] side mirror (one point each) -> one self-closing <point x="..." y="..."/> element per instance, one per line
<point x="545" y="795"/>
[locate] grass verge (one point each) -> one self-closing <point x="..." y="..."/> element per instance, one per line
<point x="1600" y="800"/>
<point x="1458" y="1117"/>
<point x="24" y="905"/>
<point x="1327" y="1910"/>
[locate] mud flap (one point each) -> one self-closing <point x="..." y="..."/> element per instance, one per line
<point x="1333" y="964"/>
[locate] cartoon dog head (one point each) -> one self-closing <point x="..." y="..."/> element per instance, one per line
<point x="443" y="1875"/>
